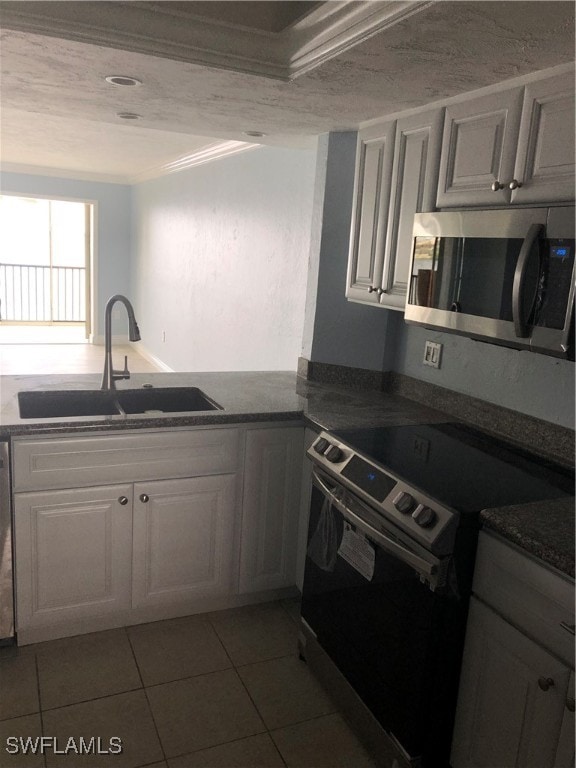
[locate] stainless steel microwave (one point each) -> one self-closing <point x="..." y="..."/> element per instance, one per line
<point x="503" y="276"/>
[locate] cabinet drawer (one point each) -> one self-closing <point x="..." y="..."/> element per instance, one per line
<point x="537" y="600"/>
<point x="75" y="462"/>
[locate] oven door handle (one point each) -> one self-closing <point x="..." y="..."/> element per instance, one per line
<point x="428" y="569"/>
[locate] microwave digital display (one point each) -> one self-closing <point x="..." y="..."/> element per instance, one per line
<point x="559" y="252"/>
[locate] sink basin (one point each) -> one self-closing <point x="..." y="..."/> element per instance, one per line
<point x="165" y="399"/>
<point x="49" y="404"/>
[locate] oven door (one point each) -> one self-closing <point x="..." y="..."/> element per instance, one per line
<point x="369" y="602"/>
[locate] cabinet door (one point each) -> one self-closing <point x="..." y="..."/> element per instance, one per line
<point x="370" y="212"/>
<point x="565" y="751"/>
<point x="72" y="552"/>
<point x="270" y="508"/>
<point x="414" y="184"/>
<point x="183" y="540"/>
<point x="504" y="717"/>
<point x="545" y="159"/>
<point x="478" y="149"/>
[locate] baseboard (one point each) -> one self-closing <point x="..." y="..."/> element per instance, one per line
<point x="147" y="355"/>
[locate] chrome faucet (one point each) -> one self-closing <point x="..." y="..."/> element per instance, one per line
<point x="110" y="375"/>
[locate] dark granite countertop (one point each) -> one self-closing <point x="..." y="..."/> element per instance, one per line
<point x="545" y="529"/>
<point x="244" y="397"/>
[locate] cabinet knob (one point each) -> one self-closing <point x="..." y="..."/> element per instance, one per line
<point x="123" y="500"/>
<point x="570" y="703"/>
<point x="380" y="291"/>
<point x="514" y="184"/>
<point x="545" y="683"/>
<point x="371" y="289"/>
<point x="497" y="186"/>
<point x="144" y="498"/>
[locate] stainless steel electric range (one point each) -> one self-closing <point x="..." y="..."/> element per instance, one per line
<point x="392" y="537"/>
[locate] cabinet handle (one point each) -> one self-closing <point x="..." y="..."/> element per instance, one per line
<point x="514" y="184"/>
<point x="123" y="500"/>
<point x="497" y="186"/>
<point x="380" y="291"/>
<point x="545" y="683"/>
<point x="144" y="498"/>
<point x="568" y="627"/>
<point x="371" y="289"/>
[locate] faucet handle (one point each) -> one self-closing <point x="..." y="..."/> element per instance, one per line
<point x="125" y="374"/>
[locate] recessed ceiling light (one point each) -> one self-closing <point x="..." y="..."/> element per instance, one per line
<point x="123" y="80"/>
<point x="128" y="115"/>
<point x="254" y="134"/>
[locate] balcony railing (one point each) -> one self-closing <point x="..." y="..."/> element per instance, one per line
<point x="30" y="293"/>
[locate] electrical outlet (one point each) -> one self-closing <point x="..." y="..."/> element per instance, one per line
<point x="432" y="354"/>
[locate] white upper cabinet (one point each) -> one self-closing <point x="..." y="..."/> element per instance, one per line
<point x="512" y="147"/>
<point x="545" y="160"/>
<point x="479" y="150"/>
<point x="396" y="177"/>
<point x="414" y="181"/>
<point x="370" y="212"/>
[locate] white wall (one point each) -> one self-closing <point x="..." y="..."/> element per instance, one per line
<point x="220" y="259"/>
<point x="112" y="227"/>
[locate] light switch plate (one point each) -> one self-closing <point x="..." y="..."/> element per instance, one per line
<point x="432" y="354"/>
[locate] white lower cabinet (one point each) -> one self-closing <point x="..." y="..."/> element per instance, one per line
<point x="73" y="554"/>
<point x="160" y="544"/>
<point x="512" y="700"/>
<point x="272" y="484"/>
<point x="516" y="698"/>
<point x="183" y="539"/>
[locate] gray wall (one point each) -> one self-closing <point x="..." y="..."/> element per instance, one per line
<point x="112" y="228"/>
<point x="344" y="333"/>
<point x="369" y="337"/>
<point x="220" y="261"/>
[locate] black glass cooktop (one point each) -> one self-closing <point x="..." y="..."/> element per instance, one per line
<point x="460" y="466"/>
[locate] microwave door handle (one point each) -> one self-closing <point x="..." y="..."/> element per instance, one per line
<point x="390" y="545"/>
<point x="519" y="313"/>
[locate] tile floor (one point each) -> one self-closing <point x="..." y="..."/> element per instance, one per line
<point x="216" y="690"/>
<point x="29" y="359"/>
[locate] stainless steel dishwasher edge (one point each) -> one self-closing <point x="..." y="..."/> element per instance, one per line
<point x="6" y="570"/>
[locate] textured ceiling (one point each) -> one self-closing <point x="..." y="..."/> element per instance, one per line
<point x="58" y="112"/>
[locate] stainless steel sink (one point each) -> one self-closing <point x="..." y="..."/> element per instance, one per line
<point x="49" y="404"/>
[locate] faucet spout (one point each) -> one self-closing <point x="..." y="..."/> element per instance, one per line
<point x="110" y="376"/>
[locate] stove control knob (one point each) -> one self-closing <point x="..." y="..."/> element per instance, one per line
<point x="424" y="516"/>
<point x="321" y="445"/>
<point x="404" y="503"/>
<point x="334" y="454"/>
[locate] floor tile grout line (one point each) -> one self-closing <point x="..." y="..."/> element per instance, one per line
<point x="147" y="697"/>
<point x="95" y="698"/>
<point x="40" y="711"/>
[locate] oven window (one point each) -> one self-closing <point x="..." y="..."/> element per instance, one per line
<point x="472" y="275"/>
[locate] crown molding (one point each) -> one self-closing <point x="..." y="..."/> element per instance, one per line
<point x="207" y="154"/>
<point x="327" y="31"/>
<point x="62" y="173"/>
